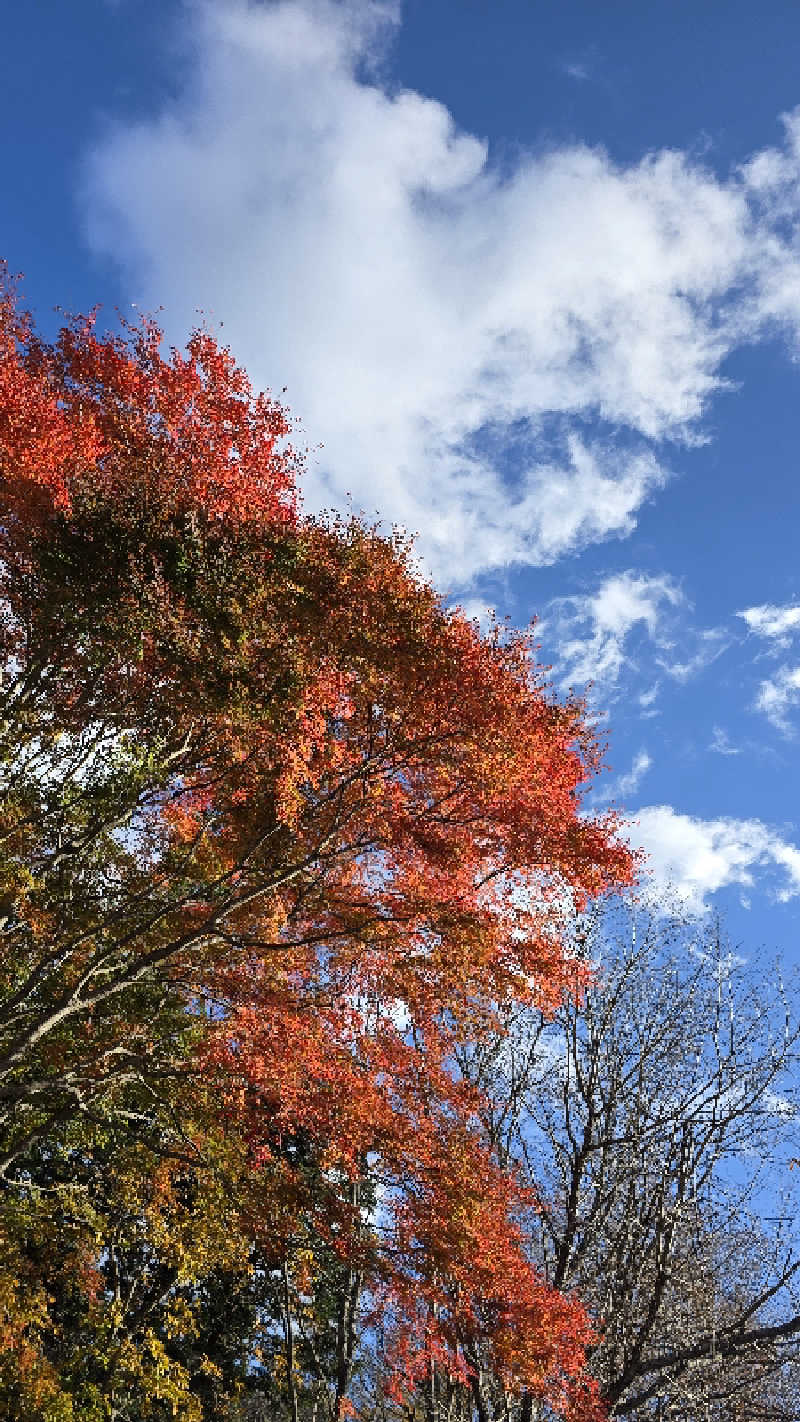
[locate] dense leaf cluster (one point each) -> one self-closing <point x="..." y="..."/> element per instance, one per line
<point x="279" y="832"/>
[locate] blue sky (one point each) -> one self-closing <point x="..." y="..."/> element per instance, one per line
<point x="531" y="274"/>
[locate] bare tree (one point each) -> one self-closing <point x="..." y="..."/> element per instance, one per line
<point x="656" y="1116"/>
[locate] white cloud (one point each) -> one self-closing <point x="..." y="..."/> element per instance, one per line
<point x="631" y="625"/>
<point x="426" y="309"/>
<point x="593" y="630"/>
<point x="479" y="611"/>
<point x="628" y="784"/>
<point x="710" y="644"/>
<point x="646" y="699"/>
<point x="780" y="1105"/>
<point x="779" y="695"/>
<point x="771" y="181"/>
<point x="777" y="624"/>
<point x="721" y="743"/>
<point x="577" y="70"/>
<point x="693" y="858"/>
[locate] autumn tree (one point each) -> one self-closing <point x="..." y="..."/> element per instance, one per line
<point x="280" y="830"/>
<point x="656" y="1114"/>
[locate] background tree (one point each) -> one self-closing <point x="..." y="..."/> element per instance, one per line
<point x="279" y="831"/>
<point x="656" y="1115"/>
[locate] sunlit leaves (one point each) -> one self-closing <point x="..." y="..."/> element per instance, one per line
<point x="280" y="829"/>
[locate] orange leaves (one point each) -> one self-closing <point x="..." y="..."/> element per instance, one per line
<point x="275" y="772"/>
<point x="313" y="754"/>
<point x="101" y="418"/>
<point x="464" y="1282"/>
<point x="432" y="792"/>
<point x="353" y="1092"/>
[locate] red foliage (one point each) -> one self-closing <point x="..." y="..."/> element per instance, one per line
<point x="373" y="819"/>
<point x="109" y="418"/>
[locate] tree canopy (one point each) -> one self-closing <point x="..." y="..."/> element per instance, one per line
<point x="657" y="1115"/>
<point x="280" y="830"/>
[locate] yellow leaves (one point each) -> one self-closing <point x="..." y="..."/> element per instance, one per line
<point x="99" y="1291"/>
<point x="26" y="1374"/>
<point x="146" y="1368"/>
<point x="305" y="1271"/>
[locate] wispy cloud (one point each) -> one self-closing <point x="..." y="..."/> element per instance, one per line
<point x="709" y="644"/>
<point x="627" y="784"/>
<point x="777" y="624"/>
<point x="428" y="310"/>
<point x="584" y="66"/>
<point x="721" y="743"/>
<point x="578" y="70"/>
<point x="693" y="858"/>
<point x="592" y="632"/>
<point x="778" y="696"/>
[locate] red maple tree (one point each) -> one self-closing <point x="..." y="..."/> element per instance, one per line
<point x="282" y="778"/>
